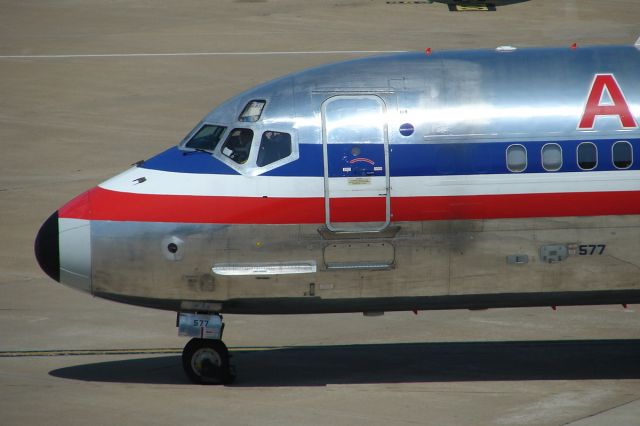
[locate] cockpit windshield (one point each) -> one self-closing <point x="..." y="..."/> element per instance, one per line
<point x="206" y="138"/>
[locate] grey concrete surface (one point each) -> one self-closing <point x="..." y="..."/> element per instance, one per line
<point x="68" y="123"/>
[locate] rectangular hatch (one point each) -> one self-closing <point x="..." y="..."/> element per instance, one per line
<point x="359" y="255"/>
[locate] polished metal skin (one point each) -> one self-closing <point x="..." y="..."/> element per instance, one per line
<point x="431" y="265"/>
<point x="470" y="96"/>
<point x="458" y="260"/>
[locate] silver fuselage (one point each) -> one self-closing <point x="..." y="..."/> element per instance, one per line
<point x="412" y="181"/>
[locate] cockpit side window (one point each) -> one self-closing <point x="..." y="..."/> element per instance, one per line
<point x="252" y="111"/>
<point x="274" y="146"/>
<point x="238" y="145"/>
<point x="206" y="138"/>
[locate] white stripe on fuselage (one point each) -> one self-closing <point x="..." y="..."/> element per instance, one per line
<point x="524" y="183"/>
<point x="159" y="182"/>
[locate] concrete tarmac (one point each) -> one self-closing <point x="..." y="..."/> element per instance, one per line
<point x="68" y="122"/>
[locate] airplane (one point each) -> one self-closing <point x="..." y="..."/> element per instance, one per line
<point x="465" y="5"/>
<point x="475" y="5"/>
<point x="416" y="181"/>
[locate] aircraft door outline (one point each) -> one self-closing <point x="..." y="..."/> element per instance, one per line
<point x="355" y="147"/>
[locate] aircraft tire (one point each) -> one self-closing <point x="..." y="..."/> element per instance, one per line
<point x="206" y="362"/>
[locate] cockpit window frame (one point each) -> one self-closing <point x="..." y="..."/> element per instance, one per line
<point x="250" y="168"/>
<point x="293" y="156"/>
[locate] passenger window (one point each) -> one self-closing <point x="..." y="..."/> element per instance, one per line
<point x="274" y="146"/>
<point x="587" y="156"/>
<point x="252" y="111"/>
<point x="551" y="157"/>
<point x="622" y="154"/>
<point x="238" y="145"/>
<point x="516" y="158"/>
<point x="206" y="138"/>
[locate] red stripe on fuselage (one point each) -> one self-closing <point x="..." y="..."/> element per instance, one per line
<point x="102" y="204"/>
<point x="125" y="206"/>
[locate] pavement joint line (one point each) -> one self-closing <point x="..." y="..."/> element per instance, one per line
<point x="143" y="55"/>
<point x="93" y="352"/>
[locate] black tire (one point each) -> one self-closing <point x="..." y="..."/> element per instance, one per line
<point x="206" y="362"/>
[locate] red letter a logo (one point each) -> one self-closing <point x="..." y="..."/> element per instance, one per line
<point x="618" y="105"/>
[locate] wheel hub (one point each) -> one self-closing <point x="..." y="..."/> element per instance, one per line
<point x="205" y="362"/>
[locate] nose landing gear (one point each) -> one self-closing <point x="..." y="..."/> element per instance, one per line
<point x="205" y="358"/>
<point x="206" y="361"/>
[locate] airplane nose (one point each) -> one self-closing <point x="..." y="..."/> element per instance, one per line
<point x="63" y="245"/>
<point x="47" y="249"/>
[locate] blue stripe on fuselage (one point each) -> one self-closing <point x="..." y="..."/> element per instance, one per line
<point x="409" y="159"/>
<point x="176" y="160"/>
<point x="179" y="161"/>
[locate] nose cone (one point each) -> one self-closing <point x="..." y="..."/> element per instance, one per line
<point x="47" y="248"/>
<point x="63" y="246"/>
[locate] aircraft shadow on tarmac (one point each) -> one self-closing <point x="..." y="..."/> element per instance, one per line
<point x="392" y="363"/>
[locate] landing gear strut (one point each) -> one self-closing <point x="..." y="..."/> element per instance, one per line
<point x="205" y="358"/>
